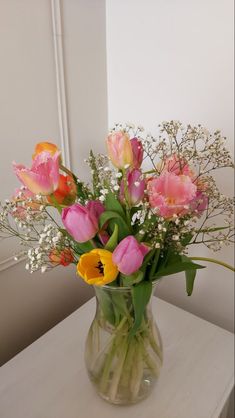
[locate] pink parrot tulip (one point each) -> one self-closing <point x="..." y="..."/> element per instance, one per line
<point x="43" y="176"/>
<point x="171" y="194"/>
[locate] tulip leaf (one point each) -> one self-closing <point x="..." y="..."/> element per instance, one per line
<point x="109" y="215"/>
<point x="141" y="294"/>
<point x="176" y="268"/>
<point x="132" y="278"/>
<point x="112" y="204"/>
<point x="147" y="259"/>
<point x="186" y="239"/>
<point x="175" y="264"/>
<point x="113" y="240"/>
<point x="82" y="190"/>
<point x="120" y="303"/>
<point x="190" y="277"/>
<point x="106" y="305"/>
<point x="84" y="247"/>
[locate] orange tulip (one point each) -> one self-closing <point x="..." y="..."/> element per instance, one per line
<point x="63" y="257"/>
<point x="45" y="146"/>
<point x="66" y="192"/>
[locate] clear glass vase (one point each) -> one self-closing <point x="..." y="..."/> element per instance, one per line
<point x="123" y="368"/>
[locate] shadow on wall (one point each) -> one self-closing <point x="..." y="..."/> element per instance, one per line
<point x="33" y="304"/>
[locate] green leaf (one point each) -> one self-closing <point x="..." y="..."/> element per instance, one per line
<point x="186" y="239"/>
<point x="177" y="268"/>
<point x="141" y="294"/>
<point x="82" y="190"/>
<point x="147" y="259"/>
<point x="106" y="305"/>
<point x="123" y="229"/>
<point x="84" y="247"/>
<point x="132" y="278"/>
<point x="112" y="204"/>
<point x="175" y="264"/>
<point x="119" y="303"/>
<point x="113" y="240"/>
<point x="190" y="277"/>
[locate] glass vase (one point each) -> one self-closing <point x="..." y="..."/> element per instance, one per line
<point x="123" y="368"/>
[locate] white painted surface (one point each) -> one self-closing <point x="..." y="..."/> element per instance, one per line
<point x="48" y="379"/>
<point x="174" y="60"/>
<point x="85" y="58"/>
<point x="33" y="110"/>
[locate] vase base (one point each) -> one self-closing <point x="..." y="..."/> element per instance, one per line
<point x="122" y="399"/>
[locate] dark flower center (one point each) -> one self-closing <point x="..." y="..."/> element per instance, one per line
<point x="100" y="267"/>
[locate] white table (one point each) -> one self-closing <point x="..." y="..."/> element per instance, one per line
<point x="48" y="379"/>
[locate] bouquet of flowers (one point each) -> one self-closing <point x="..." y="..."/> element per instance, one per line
<point x="127" y="229"/>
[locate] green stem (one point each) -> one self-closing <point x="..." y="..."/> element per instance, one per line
<point x="55" y="203"/>
<point x="93" y="243"/>
<point x="155" y="261"/>
<point x="107" y="367"/>
<point x="212" y="260"/>
<point x="67" y="171"/>
<point x="127" y="197"/>
<point x="137" y="372"/>
<point x="150" y="172"/>
<point x="122" y="350"/>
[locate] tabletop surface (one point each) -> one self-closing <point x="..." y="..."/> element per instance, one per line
<point x="48" y="379"/>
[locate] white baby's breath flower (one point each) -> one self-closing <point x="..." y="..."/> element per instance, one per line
<point x="118" y="175"/>
<point x="43" y="269"/>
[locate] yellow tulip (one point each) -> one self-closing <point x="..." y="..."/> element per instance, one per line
<point x="97" y="267"/>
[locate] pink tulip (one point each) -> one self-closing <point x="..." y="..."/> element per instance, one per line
<point x="95" y="208"/>
<point x="138" y="152"/>
<point x="170" y="194"/>
<point x="175" y="164"/>
<point x="135" y="187"/>
<point x="82" y="222"/>
<point x="119" y="149"/>
<point x="43" y="177"/>
<point x="129" y="255"/>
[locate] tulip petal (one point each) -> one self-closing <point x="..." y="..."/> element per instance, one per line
<point x="43" y="177"/>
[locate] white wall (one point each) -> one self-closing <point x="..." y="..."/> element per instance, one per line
<point x="174" y="60"/>
<point x="30" y="304"/>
